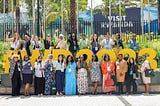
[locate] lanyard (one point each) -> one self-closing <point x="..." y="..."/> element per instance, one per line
<point x="107" y="42"/>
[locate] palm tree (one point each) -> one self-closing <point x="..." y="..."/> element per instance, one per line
<point x="73" y="16"/>
<point x="158" y="17"/>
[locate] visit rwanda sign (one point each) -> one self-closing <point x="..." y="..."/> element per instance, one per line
<point x="130" y="22"/>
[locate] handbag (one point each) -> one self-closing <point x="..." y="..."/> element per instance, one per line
<point x="109" y="82"/>
<point x="149" y="73"/>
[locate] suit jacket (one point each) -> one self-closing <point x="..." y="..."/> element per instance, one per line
<point x="12" y="67"/>
<point x="121" y="69"/>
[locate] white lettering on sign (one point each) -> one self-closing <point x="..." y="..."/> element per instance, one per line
<point x="115" y="22"/>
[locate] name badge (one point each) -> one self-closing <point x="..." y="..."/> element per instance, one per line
<point x="118" y="67"/>
<point x="96" y="48"/>
<point x="108" y="68"/>
<point x="69" y="70"/>
<point x="31" y="68"/>
<point x="62" y="70"/>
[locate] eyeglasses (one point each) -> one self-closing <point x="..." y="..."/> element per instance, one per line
<point x="15" y="57"/>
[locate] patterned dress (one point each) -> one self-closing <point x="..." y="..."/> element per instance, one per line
<point x="95" y="73"/>
<point x="48" y="79"/>
<point x="82" y="80"/>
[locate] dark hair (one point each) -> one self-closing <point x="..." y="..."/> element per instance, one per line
<point x="96" y="58"/>
<point x="93" y="38"/>
<point x="104" y="57"/>
<point x="25" y="57"/>
<point x="119" y="36"/>
<point x="72" y="60"/>
<point x="62" y="57"/>
<point x="40" y="57"/>
<point x="132" y="59"/>
<point x="120" y="54"/>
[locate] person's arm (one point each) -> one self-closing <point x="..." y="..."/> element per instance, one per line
<point x="125" y="67"/>
<point x="40" y="45"/>
<point x="56" y="38"/>
<point x="9" y="39"/>
<point x="65" y="64"/>
<point x="43" y="33"/>
<point x="10" y="56"/>
<point x="19" y="45"/>
<point x="43" y="66"/>
<point x="78" y="64"/>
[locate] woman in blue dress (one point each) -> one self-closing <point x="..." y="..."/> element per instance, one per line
<point x="70" y="76"/>
<point x="48" y="75"/>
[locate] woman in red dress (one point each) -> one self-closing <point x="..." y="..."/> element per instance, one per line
<point x="108" y="69"/>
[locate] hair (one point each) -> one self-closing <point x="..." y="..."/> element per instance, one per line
<point x="40" y="57"/>
<point x="132" y="59"/>
<point x="119" y="36"/>
<point x="93" y="38"/>
<point x="96" y="58"/>
<point x="72" y="60"/>
<point x="62" y="58"/>
<point x="15" y="35"/>
<point x="104" y="57"/>
<point x="120" y="54"/>
<point x="25" y="57"/>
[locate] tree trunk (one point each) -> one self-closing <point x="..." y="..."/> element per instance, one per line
<point x="73" y="28"/>
<point x="158" y="17"/>
<point x="17" y="20"/>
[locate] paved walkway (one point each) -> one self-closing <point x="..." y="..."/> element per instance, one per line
<point x="88" y="100"/>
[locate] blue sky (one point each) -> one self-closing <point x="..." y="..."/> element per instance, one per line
<point x="94" y="3"/>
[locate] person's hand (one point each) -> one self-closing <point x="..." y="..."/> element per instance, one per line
<point x="79" y="60"/>
<point x="56" y="30"/>
<point x="41" y="69"/>
<point x="9" y="33"/>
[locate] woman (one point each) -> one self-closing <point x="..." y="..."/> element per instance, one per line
<point x="95" y="73"/>
<point x="95" y="44"/>
<point x="146" y="80"/>
<point x="48" y="74"/>
<point x="36" y="44"/>
<point x="108" y="69"/>
<point x="15" y="73"/>
<point x="26" y="45"/>
<point x="83" y="44"/>
<point x="82" y="80"/>
<point x="61" y="42"/>
<point x="39" y="67"/>
<point x="16" y="41"/>
<point x="131" y="76"/>
<point x="27" y="74"/>
<point x="70" y="76"/>
<point x="121" y="69"/>
<point x="73" y="45"/>
<point x="48" y="44"/>
<point x="60" y="66"/>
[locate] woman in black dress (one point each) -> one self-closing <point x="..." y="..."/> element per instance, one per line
<point x="15" y="73"/>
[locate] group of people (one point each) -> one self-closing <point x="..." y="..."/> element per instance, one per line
<point x="71" y="75"/>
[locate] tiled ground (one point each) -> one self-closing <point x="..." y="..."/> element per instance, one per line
<point x="88" y="100"/>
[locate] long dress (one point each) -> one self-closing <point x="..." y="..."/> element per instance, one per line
<point x="82" y="80"/>
<point x="95" y="73"/>
<point x="48" y="79"/>
<point x="107" y="68"/>
<point x="70" y="77"/>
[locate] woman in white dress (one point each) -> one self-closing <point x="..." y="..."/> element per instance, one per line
<point x="146" y="80"/>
